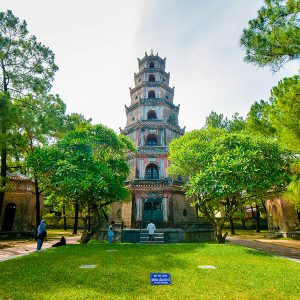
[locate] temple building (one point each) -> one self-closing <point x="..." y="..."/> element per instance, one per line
<point x="19" y="207"/>
<point x="152" y="123"/>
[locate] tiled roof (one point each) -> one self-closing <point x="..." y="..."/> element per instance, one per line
<point x="18" y="177"/>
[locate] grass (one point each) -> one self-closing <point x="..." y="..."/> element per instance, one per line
<point x="58" y="233"/>
<point x="124" y="274"/>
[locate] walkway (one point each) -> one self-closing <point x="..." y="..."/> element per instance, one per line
<point x="25" y="248"/>
<point x="285" y="248"/>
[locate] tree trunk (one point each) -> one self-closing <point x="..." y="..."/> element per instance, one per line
<point x="257" y="219"/>
<point x="3" y="146"/>
<point x="264" y="207"/>
<point x="37" y="204"/>
<point x="3" y="176"/>
<point x="243" y="218"/>
<point x="76" y="219"/>
<point x="220" y="238"/>
<point x="64" y="214"/>
<point x="231" y="226"/>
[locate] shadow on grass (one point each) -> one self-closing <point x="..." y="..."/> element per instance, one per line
<point x="259" y="253"/>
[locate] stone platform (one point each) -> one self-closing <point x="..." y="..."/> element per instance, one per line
<point x="171" y="235"/>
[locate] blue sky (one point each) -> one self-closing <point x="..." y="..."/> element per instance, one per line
<point x="97" y="43"/>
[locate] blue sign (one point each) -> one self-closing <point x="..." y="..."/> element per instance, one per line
<point x="160" y="278"/>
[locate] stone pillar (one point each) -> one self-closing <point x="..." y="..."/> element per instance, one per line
<point x="162" y="137"/>
<point x="165" y="209"/>
<point x="142" y="142"/>
<point x="141" y="175"/>
<point x="139" y="204"/>
<point x="162" y="168"/>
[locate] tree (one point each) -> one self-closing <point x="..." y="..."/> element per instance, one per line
<point x="215" y="120"/>
<point x="273" y="38"/>
<point x="26" y="67"/>
<point x="88" y="166"/>
<point x="227" y="169"/>
<point x="258" y="119"/>
<point x="285" y="111"/>
<point x="38" y="122"/>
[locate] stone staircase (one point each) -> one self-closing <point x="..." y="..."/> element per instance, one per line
<point x="159" y="237"/>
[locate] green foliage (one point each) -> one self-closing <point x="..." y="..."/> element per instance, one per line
<point x="235" y="124"/>
<point x="293" y="192"/>
<point x="258" y="119"/>
<point x="27" y="66"/>
<point x="273" y="38"/>
<point x="285" y="111"/>
<point x="215" y="120"/>
<point x="74" y="121"/>
<point x="241" y="273"/>
<point x="227" y="169"/>
<point x="88" y="166"/>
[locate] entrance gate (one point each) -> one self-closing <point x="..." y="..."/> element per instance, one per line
<point x="153" y="210"/>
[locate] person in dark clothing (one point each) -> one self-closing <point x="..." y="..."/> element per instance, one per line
<point x="41" y="234"/>
<point x="62" y="242"/>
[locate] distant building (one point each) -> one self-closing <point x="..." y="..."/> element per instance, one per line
<point x="18" y="213"/>
<point x="152" y="123"/>
<point x="283" y="219"/>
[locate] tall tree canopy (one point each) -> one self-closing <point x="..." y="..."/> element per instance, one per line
<point x="273" y="38"/>
<point x="26" y="68"/>
<point x="215" y="120"/>
<point x="88" y="166"/>
<point x="258" y="119"/>
<point x="225" y="170"/>
<point x="285" y="111"/>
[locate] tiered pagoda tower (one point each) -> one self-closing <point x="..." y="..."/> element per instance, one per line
<point x="152" y="123"/>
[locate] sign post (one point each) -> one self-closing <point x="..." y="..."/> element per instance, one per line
<point x="160" y="278"/>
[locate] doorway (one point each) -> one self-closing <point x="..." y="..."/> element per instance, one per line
<point x="9" y="217"/>
<point x="153" y="210"/>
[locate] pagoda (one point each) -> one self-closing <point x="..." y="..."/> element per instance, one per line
<point x="152" y="123"/>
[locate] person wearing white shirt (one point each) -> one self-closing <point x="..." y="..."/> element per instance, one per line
<point x="151" y="227"/>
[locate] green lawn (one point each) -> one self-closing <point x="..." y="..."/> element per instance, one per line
<point x="124" y="274"/>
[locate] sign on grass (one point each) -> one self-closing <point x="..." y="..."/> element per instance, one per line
<point x="160" y="278"/>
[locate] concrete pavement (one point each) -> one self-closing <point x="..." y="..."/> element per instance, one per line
<point x="284" y="248"/>
<point x="24" y="248"/>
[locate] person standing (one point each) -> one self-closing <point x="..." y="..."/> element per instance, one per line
<point x="110" y="232"/>
<point x="151" y="228"/>
<point x="41" y="234"/>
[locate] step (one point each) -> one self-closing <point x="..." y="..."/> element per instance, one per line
<point x="155" y="234"/>
<point x="150" y="242"/>
<point x="159" y="237"/>
<point x="155" y="239"/>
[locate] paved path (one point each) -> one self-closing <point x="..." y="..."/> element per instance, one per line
<point x="26" y="248"/>
<point x="284" y="248"/>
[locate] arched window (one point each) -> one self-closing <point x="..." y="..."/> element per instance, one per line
<point x="151" y="78"/>
<point x="152" y="171"/>
<point x="151" y="140"/>
<point x="151" y="65"/>
<point x="151" y="94"/>
<point x="151" y="115"/>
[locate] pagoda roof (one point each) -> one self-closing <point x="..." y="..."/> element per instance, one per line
<point x="152" y="102"/>
<point x="163" y="185"/>
<point x="154" y="124"/>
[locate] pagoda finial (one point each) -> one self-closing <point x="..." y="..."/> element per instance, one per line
<point x="156" y="53"/>
<point x="151" y="51"/>
<point x="146" y="53"/>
